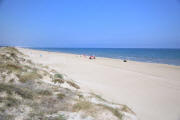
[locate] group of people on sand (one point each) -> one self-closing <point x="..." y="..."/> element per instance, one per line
<point x="90" y="57"/>
<point x="94" y="57"/>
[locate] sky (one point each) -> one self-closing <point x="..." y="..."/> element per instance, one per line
<point x="90" y="23"/>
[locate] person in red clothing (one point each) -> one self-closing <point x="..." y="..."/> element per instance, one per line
<point x="92" y="57"/>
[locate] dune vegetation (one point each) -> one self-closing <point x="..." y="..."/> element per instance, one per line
<point x="35" y="91"/>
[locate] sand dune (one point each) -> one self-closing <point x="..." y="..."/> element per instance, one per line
<point x="151" y="90"/>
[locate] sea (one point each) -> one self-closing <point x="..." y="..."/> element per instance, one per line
<point x="151" y="55"/>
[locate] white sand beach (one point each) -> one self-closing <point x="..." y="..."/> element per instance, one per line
<point x="151" y="90"/>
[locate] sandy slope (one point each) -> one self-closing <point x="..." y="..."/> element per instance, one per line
<point x="151" y="90"/>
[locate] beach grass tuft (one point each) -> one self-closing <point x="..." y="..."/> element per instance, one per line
<point x="58" y="117"/>
<point x="98" y="97"/>
<point x="58" y="80"/>
<point x="11" y="67"/>
<point x="45" y="92"/>
<point x="73" y="84"/>
<point x="113" y="110"/>
<point x="10" y="89"/>
<point x="29" y="76"/>
<point x="82" y="105"/>
<point x="61" y="95"/>
<point x="10" y="101"/>
<point x="12" y="50"/>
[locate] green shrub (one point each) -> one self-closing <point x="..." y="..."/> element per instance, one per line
<point x="58" y="76"/>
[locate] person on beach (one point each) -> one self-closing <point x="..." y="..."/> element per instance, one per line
<point x="92" y="57"/>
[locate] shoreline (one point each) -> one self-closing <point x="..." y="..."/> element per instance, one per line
<point x="149" y="62"/>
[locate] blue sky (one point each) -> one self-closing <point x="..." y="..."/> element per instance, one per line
<point x="90" y="23"/>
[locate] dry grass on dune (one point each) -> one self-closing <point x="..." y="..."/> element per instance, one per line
<point x="33" y="91"/>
